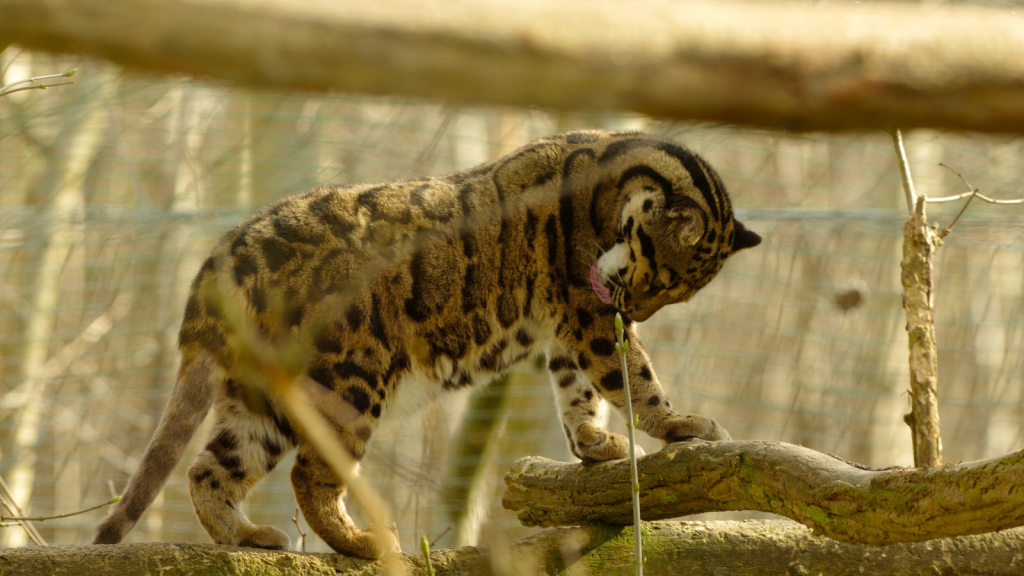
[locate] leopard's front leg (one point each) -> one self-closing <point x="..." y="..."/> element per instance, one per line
<point x="581" y="408"/>
<point x="593" y="365"/>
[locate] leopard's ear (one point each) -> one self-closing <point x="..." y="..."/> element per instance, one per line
<point x="688" y="219"/>
<point x="743" y="238"/>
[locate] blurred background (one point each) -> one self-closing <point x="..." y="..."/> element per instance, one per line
<point x="112" y="192"/>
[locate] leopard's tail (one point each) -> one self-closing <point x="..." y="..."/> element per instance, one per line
<point x="189" y="403"/>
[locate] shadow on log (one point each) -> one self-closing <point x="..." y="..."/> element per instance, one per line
<point x="691" y="548"/>
<point x="844" y="501"/>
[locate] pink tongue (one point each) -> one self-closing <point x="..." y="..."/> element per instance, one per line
<point x="602" y="292"/>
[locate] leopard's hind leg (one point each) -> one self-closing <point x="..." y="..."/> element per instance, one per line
<point x="243" y="448"/>
<point x="319" y="495"/>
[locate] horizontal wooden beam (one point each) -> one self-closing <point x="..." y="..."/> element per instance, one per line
<point x="778" y="65"/>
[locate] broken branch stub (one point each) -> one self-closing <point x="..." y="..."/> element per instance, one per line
<point x="920" y="241"/>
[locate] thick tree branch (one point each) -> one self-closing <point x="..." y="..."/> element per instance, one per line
<point x="692" y="548"/>
<point x="794" y="66"/>
<point x="834" y="498"/>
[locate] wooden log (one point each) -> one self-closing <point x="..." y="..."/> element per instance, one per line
<point x="795" y="66"/>
<point x="841" y="500"/>
<point x="690" y="548"/>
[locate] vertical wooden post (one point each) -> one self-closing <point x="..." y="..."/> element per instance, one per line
<point x="919" y="244"/>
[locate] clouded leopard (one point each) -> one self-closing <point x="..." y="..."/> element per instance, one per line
<point x="533" y="252"/>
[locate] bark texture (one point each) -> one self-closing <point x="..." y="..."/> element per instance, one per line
<point x="920" y="242"/>
<point x="795" y="66"/>
<point x="690" y="548"/>
<point x="835" y="498"/>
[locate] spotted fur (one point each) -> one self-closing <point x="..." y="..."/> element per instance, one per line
<point x="407" y="290"/>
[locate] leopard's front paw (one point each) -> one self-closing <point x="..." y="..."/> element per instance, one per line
<point x="692" y="426"/>
<point x="594" y="444"/>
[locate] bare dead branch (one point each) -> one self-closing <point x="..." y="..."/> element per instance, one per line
<point x="971" y="191"/>
<point x="919" y="245"/>
<point x="981" y="197"/>
<point x="908" y="183"/>
<point x="945" y="232"/>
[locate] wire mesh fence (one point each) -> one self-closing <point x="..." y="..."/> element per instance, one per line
<point x="112" y="193"/>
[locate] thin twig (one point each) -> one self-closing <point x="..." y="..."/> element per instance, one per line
<point x="8" y="502"/>
<point x="5" y="92"/>
<point x="300" y="543"/>
<point x="38" y="78"/>
<point x="439" y="536"/>
<point x="10" y="88"/>
<point x="113" y="500"/>
<point x="979" y="196"/>
<point x="971" y="195"/>
<point x="908" y="183"/>
<point x="949" y="228"/>
<point x="970" y="188"/>
<point x="971" y="191"/>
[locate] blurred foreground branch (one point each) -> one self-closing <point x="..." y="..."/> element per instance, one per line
<point x="756" y="546"/>
<point x="781" y="65"/>
<point x="835" y="498"/>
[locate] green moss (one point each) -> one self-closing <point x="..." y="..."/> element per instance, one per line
<point x="818" y="515"/>
<point x="757" y="492"/>
<point x="973" y="496"/>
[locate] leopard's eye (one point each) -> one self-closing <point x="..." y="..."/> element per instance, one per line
<point x="654" y="287"/>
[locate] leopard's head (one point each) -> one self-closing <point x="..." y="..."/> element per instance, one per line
<point x="675" y="229"/>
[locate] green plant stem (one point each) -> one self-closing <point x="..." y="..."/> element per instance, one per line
<point x="622" y="346"/>
<point x="425" y="547"/>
